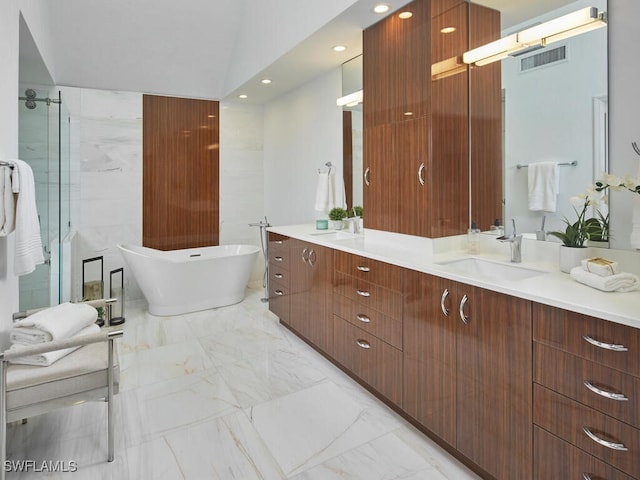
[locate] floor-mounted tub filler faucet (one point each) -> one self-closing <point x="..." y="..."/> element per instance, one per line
<point x="515" y="242"/>
<point x="264" y="243"/>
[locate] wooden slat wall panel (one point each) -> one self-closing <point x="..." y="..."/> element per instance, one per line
<point x="180" y="172"/>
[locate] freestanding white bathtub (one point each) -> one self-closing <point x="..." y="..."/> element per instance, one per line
<point x="182" y="281"/>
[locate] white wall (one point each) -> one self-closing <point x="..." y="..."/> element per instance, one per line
<point x="624" y="111"/>
<point x="9" y="34"/>
<point x="302" y="131"/>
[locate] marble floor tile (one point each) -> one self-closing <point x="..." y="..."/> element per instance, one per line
<point x="230" y="394"/>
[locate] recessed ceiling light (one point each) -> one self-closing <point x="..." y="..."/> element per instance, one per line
<point x="339" y="48"/>
<point x="405" y="15"/>
<point x="381" y="8"/>
<point x="266" y="81"/>
<point x="448" y="29"/>
<point x="242" y="95"/>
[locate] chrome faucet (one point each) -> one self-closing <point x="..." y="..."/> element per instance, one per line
<point x="515" y="242"/>
<point x="354" y="225"/>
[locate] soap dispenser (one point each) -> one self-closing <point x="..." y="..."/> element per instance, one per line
<point x="473" y="239"/>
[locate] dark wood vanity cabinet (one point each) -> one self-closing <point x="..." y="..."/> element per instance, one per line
<point x="586" y="395"/>
<point x="279" y="275"/>
<point x="367" y="316"/>
<point x="311" y="291"/>
<point x="467" y="371"/>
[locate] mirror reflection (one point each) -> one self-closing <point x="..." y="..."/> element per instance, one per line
<point x="352" y="131"/>
<point x="554" y="110"/>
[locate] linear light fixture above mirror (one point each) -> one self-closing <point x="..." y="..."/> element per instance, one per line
<point x="580" y="21"/>
<point x="350" y="100"/>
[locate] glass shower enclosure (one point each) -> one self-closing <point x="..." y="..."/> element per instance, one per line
<point x="44" y="143"/>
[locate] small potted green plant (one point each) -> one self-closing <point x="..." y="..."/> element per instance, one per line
<point x="336" y="215"/>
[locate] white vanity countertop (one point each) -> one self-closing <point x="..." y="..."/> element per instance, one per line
<point x="551" y="287"/>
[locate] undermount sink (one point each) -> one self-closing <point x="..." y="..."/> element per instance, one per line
<point x="335" y="234"/>
<point x="491" y="270"/>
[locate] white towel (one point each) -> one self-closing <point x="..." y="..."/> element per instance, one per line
<point x="46" y="359"/>
<point x="28" y="250"/>
<point x="328" y="194"/>
<point x="543" y="181"/>
<point x="620" y="282"/>
<point x="7" y="203"/>
<point x="55" y="323"/>
<point x="635" y="221"/>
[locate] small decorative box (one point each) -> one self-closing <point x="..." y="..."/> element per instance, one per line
<point x="600" y="266"/>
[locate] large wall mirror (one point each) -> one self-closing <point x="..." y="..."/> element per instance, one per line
<point x="554" y="109"/>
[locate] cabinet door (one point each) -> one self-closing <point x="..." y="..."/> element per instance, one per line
<point x="430" y="354"/>
<point x="380" y="182"/>
<point x="311" y="292"/>
<point x="494" y="394"/>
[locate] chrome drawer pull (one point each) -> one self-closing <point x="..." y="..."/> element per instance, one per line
<point x="279" y="293"/>
<point x="445" y="294"/>
<point x="363" y="293"/>
<point x="586" y="476"/>
<point x="367" y="177"/>
<point x="363" y="318"/>
<point x="278" y="275"/>
<point x="421" y="174"/>
<point x="363" y="344"/>
<point x="606" y="346"/>
<point x="463" y="316"/>
<point x="305" y="255"/>
<point x="613" y="446"/>
<point x="603" y="393"/>
<point x="363" y="268"/>
<point x="278" y="259"/>
<point x="278" y="242"/>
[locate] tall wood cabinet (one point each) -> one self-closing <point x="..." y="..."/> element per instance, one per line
<point x="467" y="371"/>
<point x="417" y="125"/>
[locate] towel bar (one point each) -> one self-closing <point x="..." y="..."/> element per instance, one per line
<point x="572" y="164"/>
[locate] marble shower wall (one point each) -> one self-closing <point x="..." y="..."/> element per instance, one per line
<point x="106" y="178"/>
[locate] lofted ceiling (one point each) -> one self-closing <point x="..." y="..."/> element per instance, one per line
<point x="213" y="49"/>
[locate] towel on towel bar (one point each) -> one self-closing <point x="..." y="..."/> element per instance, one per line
<point x="28" y="250"/>
<point x="47" y="358"/>
<point x="328" y="194"/>
<point x="635" y="221"/>
<point x="55" y="323"/>
<point x="7" y="203"/>
<point x="543" y="181"/>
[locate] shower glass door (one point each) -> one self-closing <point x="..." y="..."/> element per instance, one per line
<point x="44" y="144"/>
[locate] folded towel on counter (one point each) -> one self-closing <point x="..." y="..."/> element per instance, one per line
<point x="543" y="182"/>
<point x="47" y="358"/>
<point x="55" y="323"/>
<point x="28" y="249"/>
<point x="600" y="266"/>
<point x="620" y="282"/>
<point x="7" y="203"/>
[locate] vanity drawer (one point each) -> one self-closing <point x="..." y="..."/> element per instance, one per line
<point x="569" y="420"/>
<point x="619" y="345"/>
<point x="279" y="260"/>
<point x="370" y="320"/>
<point x="609" y="391"/>
<point x="279" y="300"/>
<point x="279" y="274"/>
<point x="369" y="358"/>
<point x="383" y="274"/>
<point x="388" y="302"/>
<point x="278" y="243"/>
<point x="556" y="459"/>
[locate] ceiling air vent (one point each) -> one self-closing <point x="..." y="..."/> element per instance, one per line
<point x="543" y="58"/>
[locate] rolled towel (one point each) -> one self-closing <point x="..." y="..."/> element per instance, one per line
<point x="600" y="266"/>
<point x="47" y="358"/>
<point x="55" y="323"/>
<point x="620" y="282"/>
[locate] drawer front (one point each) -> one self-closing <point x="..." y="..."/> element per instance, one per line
<point x="588" y="429"/>
<point x="371" y="359"/>
<point x="383" y="274"/>
<point x="278" y="273"/>
<point x="279" y="301"/>
<point x="605" y="389"/>
<point x="278" y="243"/>
<point x="556" y="459"/>
<point x="386" y="301"/>
<point x="279" y="260"/>
<point x="619" y="345"/>
<point x="370" y="320"/>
